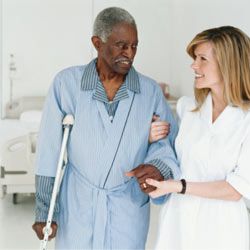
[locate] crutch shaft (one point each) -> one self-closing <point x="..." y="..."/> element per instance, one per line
<point x="59" y="175"/>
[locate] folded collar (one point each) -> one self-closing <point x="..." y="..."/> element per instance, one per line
<point x="90" y="78"/>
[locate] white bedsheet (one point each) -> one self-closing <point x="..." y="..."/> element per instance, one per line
<point x="12" y="128"/>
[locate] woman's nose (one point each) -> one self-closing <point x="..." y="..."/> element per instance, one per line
<point x="194" y="65"/>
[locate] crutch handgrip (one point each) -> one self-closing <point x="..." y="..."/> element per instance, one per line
<point x="47" y="230"/>
<point x="68" y="120"/>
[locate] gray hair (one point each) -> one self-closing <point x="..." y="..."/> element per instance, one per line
<point x="108" y="18"/>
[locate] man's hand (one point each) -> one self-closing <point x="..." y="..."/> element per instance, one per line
<point x="144" y="171"/>
<point x="38" y="228"/>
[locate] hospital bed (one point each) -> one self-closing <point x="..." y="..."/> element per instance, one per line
<point x="18" y="135"/>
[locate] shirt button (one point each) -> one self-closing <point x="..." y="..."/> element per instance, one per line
<point x="111" y="118"/>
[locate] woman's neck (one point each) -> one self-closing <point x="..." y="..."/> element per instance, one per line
<point x="218" y="102"/>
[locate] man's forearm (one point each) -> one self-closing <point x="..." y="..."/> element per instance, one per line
<point x="44" y="188"/>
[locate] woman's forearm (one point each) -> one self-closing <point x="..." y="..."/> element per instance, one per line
<point x="215" y="190"/>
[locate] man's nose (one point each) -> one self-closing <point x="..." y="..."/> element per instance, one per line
<point x="129" y="52"/>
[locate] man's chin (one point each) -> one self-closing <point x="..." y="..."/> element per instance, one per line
<point x="123" y="70"/>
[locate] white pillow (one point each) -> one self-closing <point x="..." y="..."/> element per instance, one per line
<point x="33" y="116"/>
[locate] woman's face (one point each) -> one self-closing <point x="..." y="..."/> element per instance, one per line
<point x="206" y="69"/>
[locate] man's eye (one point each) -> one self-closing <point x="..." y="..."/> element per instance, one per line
<point x="203" y="58"/>
<point x="125" y="46"/>
<point x="120" y="45"/>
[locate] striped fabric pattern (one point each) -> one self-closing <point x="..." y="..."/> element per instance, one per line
<point x="163" y="168"/>
<point x="92" y="206"/>
<point x="44" y="187"/>
<point x="111" y="106"/>
<point x="90" y="78"/>
<point x="90" y="81"/>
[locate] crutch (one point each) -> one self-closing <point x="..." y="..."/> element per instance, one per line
<point x="67" y="123"/>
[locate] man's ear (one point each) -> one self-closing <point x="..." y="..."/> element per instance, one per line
<point x="97" y="42"/>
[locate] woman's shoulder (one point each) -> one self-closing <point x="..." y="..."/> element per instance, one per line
<point x="185" y="104"/>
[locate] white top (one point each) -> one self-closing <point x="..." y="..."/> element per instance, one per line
<point x="208" y="152"/>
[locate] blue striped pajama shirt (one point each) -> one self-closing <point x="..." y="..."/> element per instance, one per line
<point x="90" y="82"/>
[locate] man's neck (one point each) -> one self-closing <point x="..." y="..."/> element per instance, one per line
<point x="111" y="81"/>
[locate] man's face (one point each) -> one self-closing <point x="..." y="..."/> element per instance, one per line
<point x="117" y="54"/>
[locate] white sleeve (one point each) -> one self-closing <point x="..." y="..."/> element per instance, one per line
<point x="239" y="178"/>
<point x="183" y="105"/>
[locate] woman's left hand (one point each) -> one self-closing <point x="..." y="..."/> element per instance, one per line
<point x="163" y="187"/>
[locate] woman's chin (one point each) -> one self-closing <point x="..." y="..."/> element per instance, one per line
<point x="200" y="86"/>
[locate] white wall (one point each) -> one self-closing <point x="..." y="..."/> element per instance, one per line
<point x="48" y="35"/>
<point x="190" y="17"/>
<point x="1" y="64"/>
<point x="45" y="36"/>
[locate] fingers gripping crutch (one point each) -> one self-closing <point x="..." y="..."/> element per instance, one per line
<point x="67" y="123"/>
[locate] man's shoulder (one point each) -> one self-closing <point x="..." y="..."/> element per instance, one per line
<point x="69" y="79"/>
<point x="71" y="71"/>
<point x="146" y="79"/>
<point x="149" y="85"/>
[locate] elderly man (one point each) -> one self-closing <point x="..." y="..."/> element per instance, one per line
<point x="99" y="206"/>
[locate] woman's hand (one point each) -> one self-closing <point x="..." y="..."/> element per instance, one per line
<point x="158" y="129"/>
<point x="164" y="187"/>
<point x="144" y="171"/>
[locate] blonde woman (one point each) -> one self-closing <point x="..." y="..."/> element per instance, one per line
<point x="206" y="209"/>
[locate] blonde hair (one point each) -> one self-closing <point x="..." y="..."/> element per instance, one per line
<point x="231" y="48"/>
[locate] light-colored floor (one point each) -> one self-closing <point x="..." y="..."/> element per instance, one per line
<point x="15" y="224"/>
<point x="16" y="221"/>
